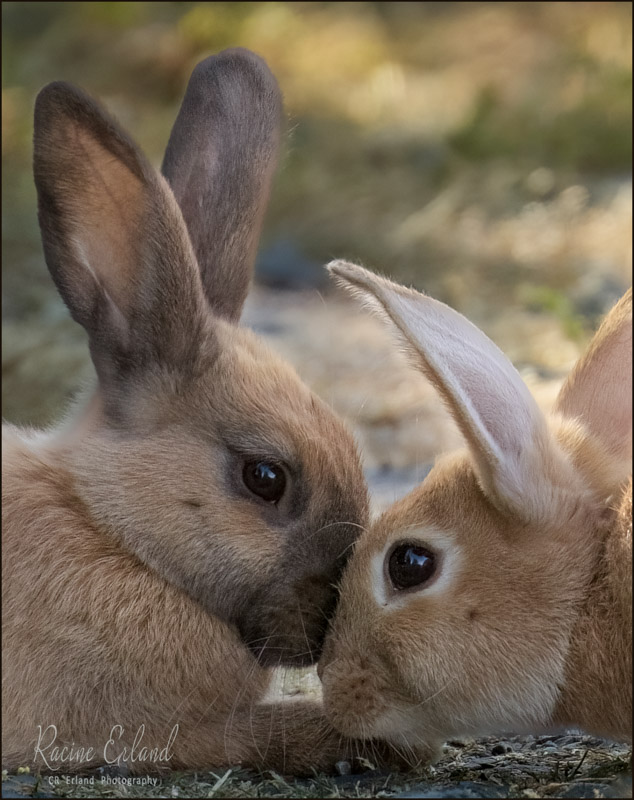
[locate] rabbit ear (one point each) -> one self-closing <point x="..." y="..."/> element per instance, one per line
<point x="504" y="428"/>
<point x="114" y="239"/>
<point x="220" y="161"/>
<point x="599" y="389"/>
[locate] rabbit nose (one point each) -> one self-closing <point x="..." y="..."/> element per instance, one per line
<point x="353" y="700"/>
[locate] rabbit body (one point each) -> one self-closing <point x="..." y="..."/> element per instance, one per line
<point x="497" y="596"/>
<point x="94" y="638"/>
<point x="185" y="527"/>
<point x="597" y="691"/>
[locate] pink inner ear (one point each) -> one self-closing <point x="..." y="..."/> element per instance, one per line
<point x="485" y="393"/>
<point x="504" y="428"/>
<point x="599" y="389"/>
<point x="106" y="208"/>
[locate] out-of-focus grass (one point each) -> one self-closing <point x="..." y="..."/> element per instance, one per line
<point x="544" y="298"/>
<point x="472" y="149"/>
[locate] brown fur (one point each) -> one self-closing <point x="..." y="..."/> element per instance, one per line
<point x="143" y="583"/>
<point x="526" y="624"/>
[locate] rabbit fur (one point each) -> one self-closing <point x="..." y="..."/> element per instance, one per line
<point x="524" y="621"/>
<point x="145" y="585"/>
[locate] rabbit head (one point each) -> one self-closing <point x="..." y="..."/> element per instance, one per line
<point x="459" y="605"/>
<point x="200" y="450"/>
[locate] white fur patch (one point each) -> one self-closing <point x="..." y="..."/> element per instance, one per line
<point x="450" y="560"/>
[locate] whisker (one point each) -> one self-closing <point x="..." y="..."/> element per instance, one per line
<point x="270" y="636"/>
<point x="313" y="611"/>
<point x="348" y="547"/>
<point x="185" y="698"/>
<point x="234" y="707"/>
<point x="431" y="697"/>
<point x="332" y="524"/>
<point x="301" y="619"/>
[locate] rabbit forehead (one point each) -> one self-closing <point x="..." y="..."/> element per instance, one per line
<point x="242" y="393"/>
<point x="264" y="407"/>
<point x="449" y="508"/>
<point x="248" y="375"/>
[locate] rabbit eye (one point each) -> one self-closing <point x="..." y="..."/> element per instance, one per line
<point x="265" y="479"/>
<point x="410" y="565"/>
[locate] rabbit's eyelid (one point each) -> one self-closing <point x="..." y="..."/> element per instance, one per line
<point x="449" y="562"/>
<point x="256" y="448"/>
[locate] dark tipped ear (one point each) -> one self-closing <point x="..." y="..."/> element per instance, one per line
<point x="114" y="239"/>
<point x="220" y="161"/>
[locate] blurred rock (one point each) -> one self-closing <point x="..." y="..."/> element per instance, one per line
<point x="464" y="789"/>
<point x="541" y="181"/>
<point x="587" y="789"/>
<point x="595" y="293"/>
<point x="282" y="265"/>
<point x="15" y="786"/>
<point x="389" y="485"/>
<point x="621" y="787"/>
<point x="44" y="365"/>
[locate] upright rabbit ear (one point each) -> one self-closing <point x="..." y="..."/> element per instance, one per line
<point x="220" y="161"/>
<point x="505" y="430"/>
<point x="599" y="389"/>
<point x="114" y="239"/>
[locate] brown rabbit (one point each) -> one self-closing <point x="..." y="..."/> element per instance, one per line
<point x="498" y="595"/>
<point x="185" y="527"/>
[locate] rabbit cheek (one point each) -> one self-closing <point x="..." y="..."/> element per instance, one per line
<point x="286" y="620"/>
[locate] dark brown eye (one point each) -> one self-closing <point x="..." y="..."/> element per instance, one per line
<point x="410" y="565"/>
<point x="265" y="479"/>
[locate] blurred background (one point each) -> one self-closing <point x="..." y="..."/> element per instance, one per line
<point x="478" y="151"/>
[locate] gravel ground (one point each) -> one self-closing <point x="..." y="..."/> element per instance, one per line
<point x="567" y="765"/>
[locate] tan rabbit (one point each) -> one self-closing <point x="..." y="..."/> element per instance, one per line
<point x="498" y="595"/>
<point x="184" y="528"/>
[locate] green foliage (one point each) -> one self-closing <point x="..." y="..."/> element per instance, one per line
<point x="595" y="134"/>
<point x="546" y="299"/>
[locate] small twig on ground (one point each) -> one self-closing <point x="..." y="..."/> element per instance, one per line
<point x="578" y="767"/>
<point x="220" y="782"/>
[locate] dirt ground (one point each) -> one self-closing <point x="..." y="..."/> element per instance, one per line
<point x="564" y="766"/>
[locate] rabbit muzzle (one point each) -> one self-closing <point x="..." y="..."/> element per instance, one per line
<point x="354" y="695"/>
<point x="281" y="628"/>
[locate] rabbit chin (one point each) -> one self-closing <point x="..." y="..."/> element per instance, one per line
<point x="362" y="702"/>
<point x="360" y="705"/>
<point x="406" y="732"/>
<point x="406" y="728"/>
<point x="396" y="724"/>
